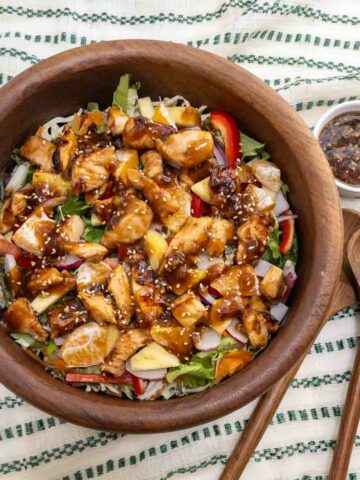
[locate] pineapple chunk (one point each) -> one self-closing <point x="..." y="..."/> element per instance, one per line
<point x="112" y="335"/>
<point x="146" y="107"/>
<point x="220" y="326"/>
<point x="43" y="301"/>
<point x="153" y="356"/>
<point x="271" y="284"/>
<point x="162" y="115"/>
<point x="127" y="158"/>
<point x="188" y="310"/>
<point x="188" y="278"/>
<point x="202" y="190"/>
<point x="185" y="116"/>
<point x="56" y="183"/>
<point x="155" y="247"/>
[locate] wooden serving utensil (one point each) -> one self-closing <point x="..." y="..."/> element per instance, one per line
<point x="351" y="412"/>
<point x="344" y="296"/>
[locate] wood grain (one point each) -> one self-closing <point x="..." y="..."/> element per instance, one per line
<point x="268" y="404"/>
<point x="65" y="82"/>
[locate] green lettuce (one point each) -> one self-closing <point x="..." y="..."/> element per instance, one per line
<point x="92" y="107"/>
<point x="272" y="253"/>
<point x="94" y="234"/>
<point x="200" y="370"/>
<point x="27" y="341"/>
<point x="252" y="148"/>
<point x="121" y="93"/>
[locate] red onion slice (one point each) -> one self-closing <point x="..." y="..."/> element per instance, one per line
<point x="234" y="331"/>
<point x="279" y="311"/>
<point x="156" y="374"/>
<point x="209" y="340"/>
<point x="281" y="204"/>
<point x="282" y="218"/>
<point x="262" y="268"/>
<point x="206" y="298"/>
<point x="219" y="154"/>
<point x="69" y="262"/>
<point x="204" y="261"/>
<point x="10" y="263"/>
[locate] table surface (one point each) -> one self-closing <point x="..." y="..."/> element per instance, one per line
<point x="308" y="51"/>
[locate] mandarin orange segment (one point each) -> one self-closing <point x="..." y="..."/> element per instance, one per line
<point x="85" y="346"/>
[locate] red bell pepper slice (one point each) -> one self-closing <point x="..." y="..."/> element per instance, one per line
<point x="125" y="379"/>
<point x="198" y="207"/>
<point x="138" y="385"/>
<point x="230" y="131"/>
<point x="287" y="235"/>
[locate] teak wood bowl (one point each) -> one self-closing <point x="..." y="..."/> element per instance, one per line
<point x="65" y="82"/>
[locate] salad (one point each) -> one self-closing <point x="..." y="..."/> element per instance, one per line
<point x="148" y="248"/>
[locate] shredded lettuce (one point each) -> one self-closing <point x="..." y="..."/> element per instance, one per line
<point x="272" y="253"/>
<point x="92" y="107"/>
<point x="74" y="205"/>
<point x="27" y="341"/>
<point x="132" y="102"/>
<point x="200" y="370"/>
<point x="94" y="234"/>
<point x="16" y="157"/>
<point x="252" y="148"/>
<point x="121" y="93"/>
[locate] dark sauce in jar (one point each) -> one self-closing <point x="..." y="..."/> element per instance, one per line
<point x="340" y="140"/>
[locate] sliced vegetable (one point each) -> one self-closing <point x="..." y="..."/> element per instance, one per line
<point x="18" y="178"/>
<point x="278" y="311"/>
<point x="262" y="268"/>
<point x="225" y="123"/>
<point x="287" y="235"/>
<point x="121" y="93"/>
<point x="234" y="329"/>
<point x="156" y="374"/>
<point x="146" y="107"/>
<point x="281" y="204"/>
<point x="202" y="190"/>
<point x="219" y="155"/>
<point x="252" y="148"/>
<point x="208" y="340"/>
<point x="69" y="262"/>
<point x="98" y="378"/>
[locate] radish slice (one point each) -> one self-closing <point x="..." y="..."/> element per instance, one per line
<point x="233" y="330"/>
<point x="69" y="262"/>
<point x="209" y="340"/>
<point x="282" y="218"/>
<point x="219" y="155"/>
<point x="278" y="311"/>
<point x="10" y="263"/>
<point x="262" y="268"/>
<point x="204" y="261"/>
<point x="281" y="204"/>
<point x="18" y="178"/>
<point x="206" y="298"/>
<point x="156" y="374"/>
<point x="289" y="267"/>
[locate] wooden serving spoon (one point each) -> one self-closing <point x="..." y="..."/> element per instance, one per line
<point x="344" y="296"/>
<point x="351" y="413"/>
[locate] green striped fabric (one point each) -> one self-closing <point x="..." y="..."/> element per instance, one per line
<point x="307" y="50"/>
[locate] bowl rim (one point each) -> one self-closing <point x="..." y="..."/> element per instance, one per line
<point x="79" y="407"/>
<point x="345" y="107"/>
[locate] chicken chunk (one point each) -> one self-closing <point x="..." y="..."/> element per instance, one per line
<point x="7" y="218"/>
<point x="18" y="203"/>
<point x="220" y="234"/>
<point x="93" y="252"/>
<point x="99" y="307"/>
<point x="153" y="165"/>
<point x="160" y="200"/>
<point x="131" y="225"/>
<point x="175" y="338"/>
<point x="258" y="325"/>
<point x="92" y="275"/>
<point x="149" y="293"/>
<point x="141" y="133"/>
<point x="237" y="279"/>
<point x="187" y="148"/>
<point x="21" y="318"/>
<point x="272" y="285"/>
<point x="116" y="120"/>
<point x="34" y="233"/>
<point x="66" y="148"/>
<point x="190" y="239"/>
<point x="226" y="308"/>
<point x="39" y="152"/>
<point x="188" y="310"/>
<point x="92" y="171"/>
<point x="183" y="278"/>
<point x="120" y="290"/>
<point x="253" y="237"/>
<point x="71" y="228"/>
<point x="127" y="344"/>
<point x="64" y="318"/>
<point x="45" y="278"/>
<point x="176" y="221"/>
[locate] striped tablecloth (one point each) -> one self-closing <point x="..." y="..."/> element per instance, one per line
<point x="307" y="50"/>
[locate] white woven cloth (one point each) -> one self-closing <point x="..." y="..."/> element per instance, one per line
<point x="309" y="51"/>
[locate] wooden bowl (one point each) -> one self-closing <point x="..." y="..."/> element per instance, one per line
<point x="65" y="82"/>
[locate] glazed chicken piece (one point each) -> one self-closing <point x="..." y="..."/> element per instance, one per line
<point x="104" y="209"/>
<point x="175" y="338"/>
<point x="92" y="171"/>
<point x="116" y="120"/>
<point x="187" y="148"/>
<point x="120" y="290"/>
<point x="34" y="233"/>
<point x="176" y="221"/>
<point x="21" y="318"/>
<point x="258" y="326"/>
<point x="226" y="308"/>
<point x="7" y="218"/>
<point x="237" y="279"/>
<point x="99" y="307"/>
<point x="127" y="344"/>
<point x="188" y="310"/>
<point x="88" y="120"/>
<point x="141" y="133"/>
<point x="66" y="148"/>
<point x="45" y="278"/>
<point x="272" y="285"/>
<point x="39" y="152"/>
<point x="131" y="225"/>
<point x="153" y="165"/>
<point x="92" y="275"/>
<point x="190" y="239"/>
<point x="18" y="203"/>
<point x="93" y="252"/>
<point x="220" y="234"/>
<point x="71" y="228"/>
<point x="253" y="237"/>
<point x="159" y="199"/>
<point x="66" y="317"/>
<point x="149" y="293"/>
